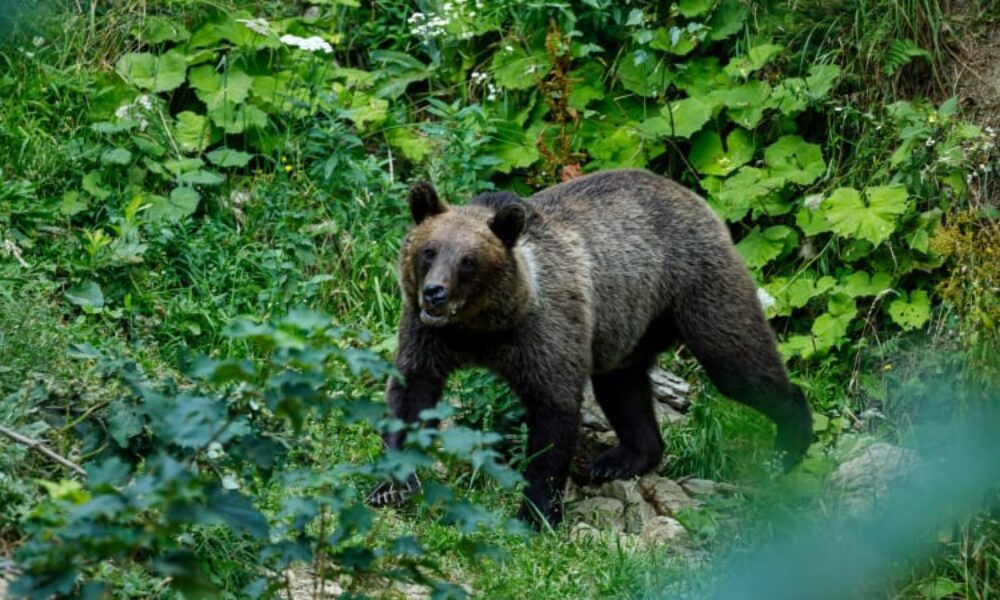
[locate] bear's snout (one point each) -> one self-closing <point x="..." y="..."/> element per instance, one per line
<point x="435" y="295"/>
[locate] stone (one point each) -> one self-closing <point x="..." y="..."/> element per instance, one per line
<point x="864" y="481"/>
<point x="700" y="487"/>
<point x="601" y="512"/>
<point x="585" y="532"/>
<point x="668" y="415"/>
<point x="638" y="515"/>
<point x="670" y="389"/>
<point x="663" y="530"/>
<point x="666" y="496"/>
<point x="626" y="490"/>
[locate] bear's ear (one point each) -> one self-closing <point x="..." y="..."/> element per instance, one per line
<point x="424" y="202"/>
<point x="509" y="222"/>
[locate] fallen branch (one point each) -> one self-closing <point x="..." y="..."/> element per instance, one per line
<point x="43" y="449"/>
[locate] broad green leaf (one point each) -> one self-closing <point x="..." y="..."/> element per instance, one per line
<point x="201" y="177"/>
<point x="139" y="68"/>
<point x="874" y="220"/>
<point x="755" y="59"/>
<point x="117" y="156"/>
<point x="93" y="185"/>
<point x="911" y="311"/>
<point x="623" y="147"/>
<point x="830" y="329"/>
<point x="182" y="202"/>
<point x="237" y="118"/>
<point x="679" y="41"/>
<point x="694" y="8"/>
<point x="227" y="157"/>
<point x="792" y="293"/>
<point x="733" y="196"/>
<point x="745" y="103"/>
<point x="727" y="19"/>
<point x="821" y="79"/>
<point x="192" y="132"/>
<point x="124" y="423"/>
<point x="709" y="157"/>
<point x="860" y="283"/>
<point x="761" y="247"/>
<point x="587" y="85"/>
<point x="512" y="146"/>
<point x="644" y="73"/>
<point x="164" y="29"/>
<point x="793" y="159"/>
<point x="236" y="511"/>
<point x="515" y="69"/>
<point x="687" y="116"/>
<point x="790" y="96"/>
<point x="700" y="77"/>
<point x="72" y="203"/>
<point x="217" y="89"/>
<point x="86" y="295"/>
<point x="171" y="70"/>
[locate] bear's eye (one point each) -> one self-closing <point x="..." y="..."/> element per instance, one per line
<point x="428" y="254"/>
<point x="467" y="264"/>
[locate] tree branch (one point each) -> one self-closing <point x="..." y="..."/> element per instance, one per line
<point x="42" y="449"/>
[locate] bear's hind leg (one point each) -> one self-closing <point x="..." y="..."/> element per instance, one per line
<point x="727" y="332"/>
<point x="626" y="398"/>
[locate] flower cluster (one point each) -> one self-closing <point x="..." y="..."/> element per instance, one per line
<point x="260" y="26"/>
<point x="312" y="43"/>
<point x="431" y="26"/>
<point x="136" y="111"/>
<point x="766" y="300"/>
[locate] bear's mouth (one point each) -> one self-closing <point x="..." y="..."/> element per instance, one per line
<point x="438" y="316"/>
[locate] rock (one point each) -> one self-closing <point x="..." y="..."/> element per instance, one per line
<point x="601" y="512"/>
<point x="664" y="530"/>
<point x="301" y="580"/>
<point x="666" y="496"/>
<point x="638" y="515"/>
<point x="590" y="412"/>
<point x="585" y="532"/>
<point x="668" y="415"/>
<point x="864" y="481"/>
<point x="706" y="487"/>
<point x="625" y="490"/>
<point x="313" y="12"/>
<point x="670" y="389"/>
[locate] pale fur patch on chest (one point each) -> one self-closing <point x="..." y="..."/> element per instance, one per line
<point x="527" y="264"/>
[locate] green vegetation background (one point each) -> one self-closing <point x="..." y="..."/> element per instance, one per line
<point x="179" y="180"/>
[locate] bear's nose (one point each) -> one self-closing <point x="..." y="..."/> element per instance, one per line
<point x="435" y="295"/>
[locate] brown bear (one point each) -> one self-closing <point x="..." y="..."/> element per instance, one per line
<point x="588" y="279"/>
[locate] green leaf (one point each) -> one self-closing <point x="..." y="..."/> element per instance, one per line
<point x="237" y="118"/>
<point x="515" y="69"/>
<point x="124" y="423"/>
<point x="171" y="70"/>
<point x="201" y="177"/>
<point x="164" y="29"/>
<point x="821" y="79"/>
<point x="192" y="132"/>
<point x="87" y="295"/>
<point x="217" y="89"/>
<point x="746" y="103"/>
<point x="727" y="19"/>
<point x="512" y="146"/>
<point x="761" y="247"/>
<point x="159" y="74"/>
<point x="227" y="157"/>
<point x="793" y="159"/>
<point x="859" y="283"/>
<point x="685" y="117"/>
<point x="236" y="510"/>
<point x="182" y="202"/>
<point x="694" y="8"/>
<point x="118" y="156"/>
<point x="755" y="59"/>
<point x="874" y="221"/>
<point x="644" y="73"/>
<point x="708" y="156"/>
<point x="911" y="311"/>
<point x="732" y="198"/>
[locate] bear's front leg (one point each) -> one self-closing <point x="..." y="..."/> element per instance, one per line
<point x="406" y="399"/>
<point x="553" y="433"/>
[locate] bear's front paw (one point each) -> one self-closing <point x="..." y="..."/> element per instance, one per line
<point x="620" y="463"/>
<point x="391" y="493"/>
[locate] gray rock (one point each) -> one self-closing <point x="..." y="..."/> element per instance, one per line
<point x="313" y="12"/>
<point x="638" y="516"/>
<point x="668" y="415"/>
<point x="601" y="512"/>
<point x="664" y="530"/>
<point x="625" y="490"/>
<point x="706" y="487"/>
<point x="866" y="479"/>
<point x="585" y="532"/>
<point x="670" y="389"/>
<point x="666" y="496"/>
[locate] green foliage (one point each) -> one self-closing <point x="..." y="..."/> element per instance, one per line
<point x="171" y="460"/>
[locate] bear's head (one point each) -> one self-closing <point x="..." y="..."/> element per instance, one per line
<point x="459" y="264"/>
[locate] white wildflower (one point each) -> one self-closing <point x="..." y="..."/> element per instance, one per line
<point x="215" y="451"/>
<point x="839" y="109"/>
<point x="930" y="142"/>
<point x="239" y="197"/>
<point x="12" y="249"/>
<point x="478" y="77"/>
<point x="492" y="92"/>
<point x="508" y="48"/>
<point x="310" y="44"/>
<point x="813" y="201"/>
<point x="766" y="300"/>
<point x="260" y="26"/>
<point x="134" y="111"/>
<point x="38" y="41"/>
<point x="143" y="101"/>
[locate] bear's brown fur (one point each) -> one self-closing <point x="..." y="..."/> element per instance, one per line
<point x="587" y="279"/>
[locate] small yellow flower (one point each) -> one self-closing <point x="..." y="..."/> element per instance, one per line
<point x="932" y="118"/>
<point x="887" y="367"/>
<point x="288" y="168"/>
